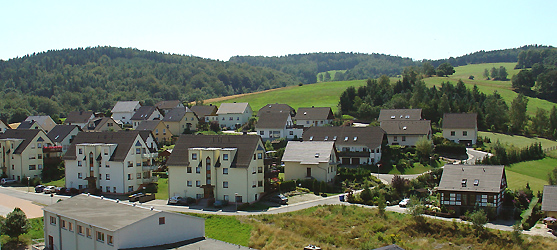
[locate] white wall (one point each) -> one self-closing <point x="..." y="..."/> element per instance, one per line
<point x="472" y="135"/>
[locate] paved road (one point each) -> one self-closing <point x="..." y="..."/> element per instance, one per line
<point x="474" y="155"/>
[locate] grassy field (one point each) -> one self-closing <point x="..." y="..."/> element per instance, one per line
<point x="532" y="172"/>
<point x="226" y="228"/>
<point x="57" y="183"/>
<point x="516" y="140"/>
<point x="162" y="191"/>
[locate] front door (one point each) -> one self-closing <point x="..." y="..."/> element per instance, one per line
<point x="308" y="174"/>
<point x="355" y="161"/>
<point x="50" y="242"/>
<point x="345" y="161"/>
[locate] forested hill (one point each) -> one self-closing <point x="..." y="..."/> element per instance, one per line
<point x="306" y="66"/>
<point x="59" y="81"/>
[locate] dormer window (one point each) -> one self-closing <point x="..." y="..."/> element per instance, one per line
<point x="346" y="138"/>
<point x="326" y="138"/>
<point x="403" y="128"/>
<point x="316" y="155"/>
<point x="311" y="138"/>
<point x="335" y="138"/>
<point x="393" y="117"/>
<point x="355" y="138"/>
<point x="407" y="117"/>
<point x="476" y="182"/>
<point x="464" y="182"/>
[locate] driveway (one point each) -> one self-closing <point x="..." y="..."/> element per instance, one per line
<point x="474" y="155"/>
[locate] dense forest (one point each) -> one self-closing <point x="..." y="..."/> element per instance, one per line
<point x="494" y="56"/>
<point x="538" y="76"/>
<point x="59" y="81"/>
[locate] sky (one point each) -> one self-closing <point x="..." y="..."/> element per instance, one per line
<point x="222" y="29"/>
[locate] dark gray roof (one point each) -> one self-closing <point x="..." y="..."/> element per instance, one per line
<point x="372" y="137"/>
<point x="422" y="127"/>
<point x="460" y="120"/>
<point x="103" y="213"/>
<point x="315" y="113"/>
<point x="26" y="135"/>
<point x="27" y="124"/>
<point x="490" y="178"/>
<point x="148" y="125"/>
<point x="232" y="108"/>
<point x="277" y="107"/>
<point x="60" y="132"/>
<point x="125" y="106"/>
<point x="79" y="116"/>
<point x="143" y="113"/>
<point x="246" y="146"/>
<point x="549" y="201"/>
<point x="400" y="115"/>
<point x="124" y="139"/>
<point x="176" y="114"/>
<point x="272" y="120"/>
<point x="168" y="104"/>
<point x="204" y="110"/>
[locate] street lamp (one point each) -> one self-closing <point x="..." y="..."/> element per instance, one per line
<point x="236" y="201"/>
<point x="28" y="178"/>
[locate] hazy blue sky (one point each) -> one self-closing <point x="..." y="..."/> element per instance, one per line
<point x="221" y="29"/>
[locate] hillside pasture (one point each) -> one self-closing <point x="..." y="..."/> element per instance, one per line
<point x="534" y="173"/>
<point x="516" y="140"/>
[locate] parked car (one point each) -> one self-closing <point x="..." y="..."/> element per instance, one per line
<point x="220" y="203"/>
<point x="49" y="189"/>
<point x="404" y="202"/>
<point x="6" y="181"/>
<point x="39" y="188"/>
<point x="279" y="198"/>
<point x="135" y="197"/>
<point x="60" y="190"/>
<point x="177" y="200"/>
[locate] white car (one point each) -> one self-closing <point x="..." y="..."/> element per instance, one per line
<point x="49" y="189"/>
<point x="404" y="202"/>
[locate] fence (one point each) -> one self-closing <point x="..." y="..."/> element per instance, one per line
<point x="549" y="149"/>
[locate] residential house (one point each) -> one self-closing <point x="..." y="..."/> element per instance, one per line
<point x="102" y="124"/>
<point x="23" y="152"/>
<point x="4" y="126"/>
<point x="44" y="121"/>
<point x="310" y="159"/>
<point x="161" y="133"/>
<point x="208" y="113"/>
<point x="178" y="120"/>
<point x="29" y="125"/>
<point x="149" y="139"/>
<point x="62" y="135"/>
<point x="79" y="118"/>
<point x="123" y="111"/>
<point x="464" y="187"/>
<point x="549" y="201"/>
<point x="461" y="127"/>
<point x="314" y="116"/>
<point x="275" y="125"/>
<point x="90" y="222"/>
<point x="145" y="113"/>
<point x="234" y="115"/>
<point x="165" y="106"/>
<point x="400" y="115"/>
<point x="112" y="162"/>
<point x="224" y="167"/>
<point x="355" y="145"/>
<point x="406" y="133"/>
<point x="277" y="108"/>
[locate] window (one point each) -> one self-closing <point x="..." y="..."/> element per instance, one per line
<point x="64" y="225"/>
<point x="198" y="170"/>
<point x="79" y="164"/>
<point x="194" y="156"/>
<point x="189" y="183"/>
<point x="114" y="189"/>
<point x="226" y="197"/>
<point x="254" y="184"/>
<point x="108" y="189"/>
<point x="138" y="176"/>
<point x="224" y="170"/>
<point x="100" y="177"/>
<point x="79" y="176"/>
<point x="32" y="167"/>
<point x="80" y="151"/>
<point x="138" y="164"/>
<point x="307" y="122"/>
<point x="157" y="131"/>
<point x="161" y="221"/>
<point x="70" y="226"/>
<point x="100" y="236"/>
<point x="80" y="187"/>
<point x="88" y="232"/>
<point x="464" y="182"/>
<point x="259" y="169"/>
<point x="130" y="188"/>
<point x="107" y="166"/>
<point x="189" y="170"/>
<point x="464" y="133"/>
<point x="261" y="132"/>
<point x="129" y="176"/>
<point x="106" y="151"/>
<point x="138" y="150"/>
<point x="231" y="118"/>
<point x="259" y="155"/>
<point x="260" y="183"/>
<point x="254" y="156"/>
<point x="225" y="157"/>
<point x="395" y="138"/>
<point x="197" y="183"/>
<point x="80" y="229"/>
<point x="225" y="184"/>
<point x="109" y="239"/>
<point x="52" y="220"/>
<point x="237" y="118"/>
<point x="200" y="196"/>
<point x="453" y="133"/>
<point x="130" y="164"/>
<point x="291" y="132"/>
<point x="476" y="182"/>
<point x="39" y="156"/>
<point x="404" y="138"/>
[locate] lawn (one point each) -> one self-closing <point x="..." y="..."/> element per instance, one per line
<point x="162" y="190"/>
<point x="532" y="172"/>
<point x="517" y="140"/>
<point x="226" y="228"/>
<point x="57" y="183"/>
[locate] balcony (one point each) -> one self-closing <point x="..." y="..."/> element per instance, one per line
<point x="149" y="155"/>
<point x="354" y="154"/>
<point x="52" y="149"/>
<point x="150" y="167"/>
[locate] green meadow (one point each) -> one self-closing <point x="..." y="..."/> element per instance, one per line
<point x="516" y="140"/>
<point x="534" y="173"/>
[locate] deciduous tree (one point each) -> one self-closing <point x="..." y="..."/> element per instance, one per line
<point x="518" y="115"/>
<point x="445" y="69"/>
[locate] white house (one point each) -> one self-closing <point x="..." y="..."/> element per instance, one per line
<point x="234" y="115"/>
<point x="90" y="222"/>
<point x="79" y="118"/>
<point x="62" y="135"/>
<point x="314" y="116"/>
<point x="208" y="113"/>
<point x="310" y="159"/>
<point x="113" y="162"/>
<point x="274" y="125"/>
<point x="224" y="167"/>
<point x="123" y="111"/>
<point x="461" y="128"/>
<point x="400" y="115"/>
<point x="406" y="133"/>
<point x="355" y="145"/>
<point x="145" y="113"/>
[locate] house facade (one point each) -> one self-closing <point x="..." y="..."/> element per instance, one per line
<point x="62" y="135"/>
<point x="161" y="133"/>
<point x="275" y="125"/>
<point x="102" y="124"/>
<point x="549" y="201"/>
<point x="355" y="145"/>
<point x="44" y="121"/>
<point x="165" y="106"/>
<point x="24" y="152"/>
<point x="464" y="187"/>
<point x="234" y="115"/>
<point x="406" y="133"/>
<point x="145" y="113"/>
<point x="178" y="120"/>
<point x="79" y="118"/>
<point x="314" y="116"/>
<point x="207" y="113"/>
<point x="90" y="222"/>
<point x="123" y="111"/>
<point x="461" y="127"/>
<point x="310" y="159"/>
<point x="223" y="167"/>
<point x="113" y="162"/>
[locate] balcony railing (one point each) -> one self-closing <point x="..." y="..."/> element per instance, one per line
<point x="149" y="155"/>
<point x="51" y="149"/>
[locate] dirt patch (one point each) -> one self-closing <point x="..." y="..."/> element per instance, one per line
<point x="302" y="198"/>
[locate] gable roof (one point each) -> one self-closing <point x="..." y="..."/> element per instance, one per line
<point x="202" y="111"/>
<point x="176" y="114"/>
<point x="59" y="132"/>
<point x="232" y="108"/>
<point x="272" y="120"/>
<point x="101" y="212"/>
<point x="26" y="135"/>
<point x="39" y="118"/>
<point x="125" y="106"/>
<point x="124" y="139"/>
<point x="98" y="123"/>
<point x="168" y="104"/>
<point x="400" y="115"/>
<point x="489" y="178"/>
<point x="143" y="113"/>
<point x="27" y="124"/>
<point x="277" y="107"/>
<point x="460" y="120"/>
<point x="315" y="113"/>
<point x="246" y="145"/>
<point x="308" y="152"/>
<point x="422" y="127"/>
<point x="79" y="116"/>
<point x="372" y="137"/>
<point x="148" y="125"/>
<point x="549" y="201"/>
